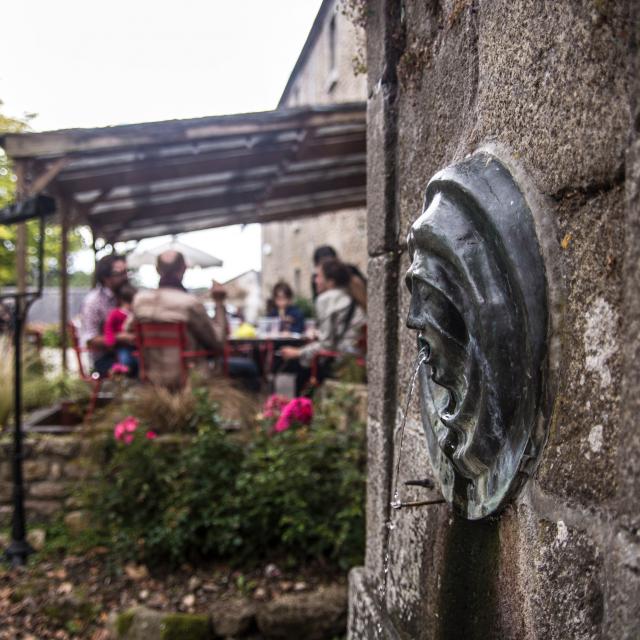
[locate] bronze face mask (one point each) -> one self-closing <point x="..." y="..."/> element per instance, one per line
<point x="479" y="305"/>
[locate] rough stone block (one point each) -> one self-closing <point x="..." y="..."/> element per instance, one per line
<point x="233" y="618"/>
<point x="48" y="489"/>
<point x="6" y="491"/>
<point x="628" y="460"/>
<point x="314" y="616"/>
<point x="385" y="40"/>
<point x="5" y="471"/>
<point x="42" y="509"/>
<point x="382" y="229"/>
<point x="622" y="619"/>
<point x="437" y="88"/>
<point x="579" y="460"/>
<point x="36" y="538"/>
<point x="62" y="446"/>
<point x="35" y="470"/>
<point x="378" y="495"/>
<point x="567" y="599"/>
<point x="365" y="615"/>
<point x="570" y="118"/>
<point x="76" y="470"/>
<point x="381" y="348"/>
<point x="6" y="512"/>
<point x="141" y="623"/>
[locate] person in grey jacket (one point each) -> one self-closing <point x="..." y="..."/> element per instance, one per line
<point x="339" y="319"/>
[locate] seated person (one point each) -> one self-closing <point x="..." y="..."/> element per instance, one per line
<point x="116" y="329"/>
<point x="111" y="274"/>
<point x="291" y="318"/>
<point x="171" y="302"/>
<point x="357" y="287"/>
<point x="339" y="321"/>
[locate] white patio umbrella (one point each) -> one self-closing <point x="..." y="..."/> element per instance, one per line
<point x="193" y="257"/>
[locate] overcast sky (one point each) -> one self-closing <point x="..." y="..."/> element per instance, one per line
<point x="80" y="63"/>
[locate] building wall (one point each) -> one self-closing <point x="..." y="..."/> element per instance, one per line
<point x="288" y="246"/>
<point x="555" y="86"/>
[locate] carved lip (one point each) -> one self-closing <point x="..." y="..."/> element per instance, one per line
<point x="449" y="411"/>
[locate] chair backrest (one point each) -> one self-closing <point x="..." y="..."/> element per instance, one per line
<point x="163" y="336"/>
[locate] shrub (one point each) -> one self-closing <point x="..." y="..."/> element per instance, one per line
<point x="51" y="336"/>
<point x="296" y="495"/>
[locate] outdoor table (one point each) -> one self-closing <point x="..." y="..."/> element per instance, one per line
<point x="263" y="348"/>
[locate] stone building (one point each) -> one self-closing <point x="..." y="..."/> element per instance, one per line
<point x="325" y="73"/>
<point x="552" y="88"/>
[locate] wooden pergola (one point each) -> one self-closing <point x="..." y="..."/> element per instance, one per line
<point x="137" y="181"/>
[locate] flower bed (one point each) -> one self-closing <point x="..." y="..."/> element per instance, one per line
<point x="292" y="489"/>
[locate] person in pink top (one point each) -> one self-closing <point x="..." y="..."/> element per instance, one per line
<point x="115" y="327"/>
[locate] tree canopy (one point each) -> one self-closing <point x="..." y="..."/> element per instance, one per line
<point x="8" y="233"/>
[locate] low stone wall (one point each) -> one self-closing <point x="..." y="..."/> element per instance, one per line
<point x="318" y="615"/>
<point x="53" y="465"/>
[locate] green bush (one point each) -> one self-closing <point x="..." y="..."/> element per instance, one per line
<point x="51" y="336"/>
<point x="295" y="495"/>
<point x="306" y="306"/>
<point x="39" y="390"/>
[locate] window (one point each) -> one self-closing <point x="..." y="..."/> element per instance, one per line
<point x="333" y="56"/>
<point x="332" y="45"/>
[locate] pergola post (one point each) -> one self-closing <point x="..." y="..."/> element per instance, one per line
<point x="21" y="231"/>
<point x="64" y="279"/>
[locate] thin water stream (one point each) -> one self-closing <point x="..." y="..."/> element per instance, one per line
<point x="396" y="504"/>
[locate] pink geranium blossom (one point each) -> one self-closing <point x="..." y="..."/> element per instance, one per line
<point x="274" y="405"/>
<point x="124" y="430"/>
<point x="119" y="368"/>
<point x="298" y="410"/>
<point x="151" y="435"/>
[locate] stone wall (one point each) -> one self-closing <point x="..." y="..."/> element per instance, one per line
<point x="288" y="246"/>
<point x="53" y="465"/>
<point x="553" y="87"/>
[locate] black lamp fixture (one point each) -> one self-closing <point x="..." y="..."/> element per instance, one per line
<point x="38" y="207"/>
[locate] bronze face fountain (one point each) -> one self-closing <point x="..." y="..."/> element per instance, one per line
<point x="479" y="304"/>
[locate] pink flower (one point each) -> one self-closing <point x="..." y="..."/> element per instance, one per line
<point x="124" y="430"/>
<point x="151" y="435"/>
<point x="298" y="410"/>
<point x="274" y="405"/>
<point x="119" y="368"/>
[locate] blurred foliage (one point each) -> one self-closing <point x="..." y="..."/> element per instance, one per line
<point x="8" y="233"/>
<point x="39" y="388"/>
<point x="294" y="496"/>
<point x="306" y="306"/>
<point x="349" y="370"/>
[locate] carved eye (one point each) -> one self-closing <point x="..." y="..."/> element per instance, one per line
<point x="446" y="316"/>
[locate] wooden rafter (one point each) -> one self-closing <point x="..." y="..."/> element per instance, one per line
<point x="139" y="180"/>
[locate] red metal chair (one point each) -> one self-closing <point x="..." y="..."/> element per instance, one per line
<point x="360" y="360"/>
<point x="94" y="380"/>
<point x="166" y="335"/>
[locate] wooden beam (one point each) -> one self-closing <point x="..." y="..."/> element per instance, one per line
<point x="47" y="176"/>
<point x="159" y="170"/>
<point x="60" y="143"/>
<point x="296" y="171"/>
<point x="208" y="220"/>
<point x="149" y="213"/>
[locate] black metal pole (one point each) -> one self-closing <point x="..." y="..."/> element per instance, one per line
<point x="37" y="207"/>
<point x="19" y="549"/>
